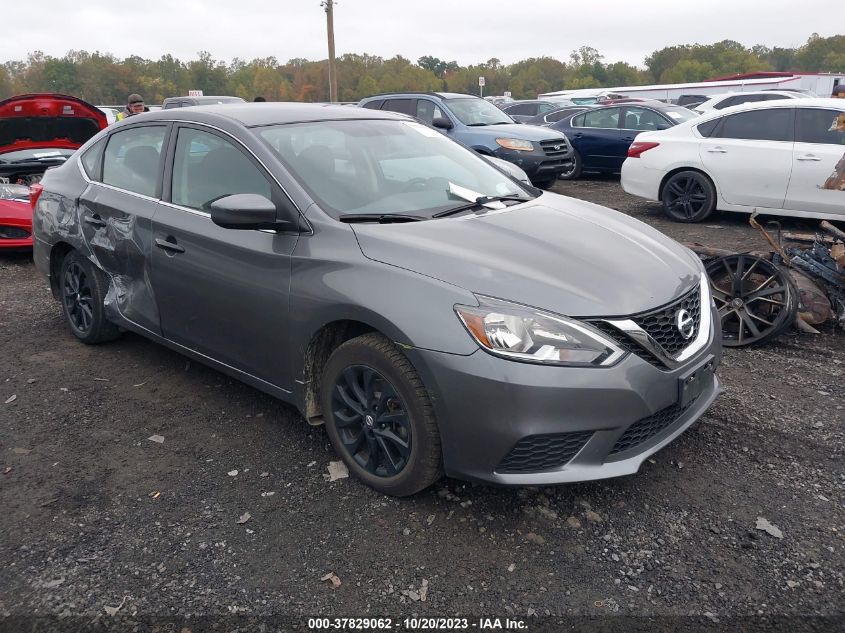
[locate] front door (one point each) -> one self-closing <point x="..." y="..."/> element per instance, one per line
<point x="818" y="173"/>
<point x="750" y="156"/>
<point x="222" y="292"/>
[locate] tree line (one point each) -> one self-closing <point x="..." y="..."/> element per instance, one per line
<point x="104" y="79"/>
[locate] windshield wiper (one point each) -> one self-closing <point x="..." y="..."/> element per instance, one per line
<point x="380" y="218"/>
<point x="479" y="202"/>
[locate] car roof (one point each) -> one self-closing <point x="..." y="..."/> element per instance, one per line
<point x="809" y="102"/>
<point x="442" y="95"/>
<point x="269" y="113"/>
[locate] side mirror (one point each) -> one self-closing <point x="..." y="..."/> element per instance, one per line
<point x="443" y="123"/>
<point x="247" y="211"/>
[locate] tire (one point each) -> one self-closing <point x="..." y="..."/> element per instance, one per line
<point x="83" y="288"/>
<point x="575" y="171"/>
<point x="374" y="403"/>
<point x="688" y="196"/>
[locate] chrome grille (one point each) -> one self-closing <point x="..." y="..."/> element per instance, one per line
<point x="556" y="147"/>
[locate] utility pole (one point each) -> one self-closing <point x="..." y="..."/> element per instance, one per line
<point x="329" y="8"/>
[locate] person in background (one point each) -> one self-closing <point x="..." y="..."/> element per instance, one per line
<point x="134" y="105"/>
<point x="259" y="100"/>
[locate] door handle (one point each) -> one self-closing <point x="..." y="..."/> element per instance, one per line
<point x="95" y="221"/>
<point x="717" y="150"/>
<point x="627" y="138"/>
<point x="578" y="134"/>
<point x="811" y="157"/>
<point x="169" y="245"/>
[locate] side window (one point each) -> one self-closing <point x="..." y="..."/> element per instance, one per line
<point x="403" y="106"/>
<point x="523" y="109"/>
<point x="608" y="118"/>
<point x="642" y="119"/>
<point x="815" y="125"/>
<point x="726" y="103"/>
<point x="427" y="111"/>
<point x="773" y="124"/>
<point x="132" y="157"/>
<point x="375" y="104"/>
<point x="578" y="121"/>
<point x="91" y="159"/>
<point x="706" y="129"/>
<point x="207" y="167"/>
<point x="554" y="117"/>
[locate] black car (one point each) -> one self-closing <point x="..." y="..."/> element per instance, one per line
<point x="521" y="111"/>
<point x="553" y="116"/>
<point x="601" y="136"/>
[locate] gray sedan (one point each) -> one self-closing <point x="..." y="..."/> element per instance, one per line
<point x="437" y="315"/>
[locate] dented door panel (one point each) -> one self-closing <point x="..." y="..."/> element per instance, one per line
<point x="117" y="227"/>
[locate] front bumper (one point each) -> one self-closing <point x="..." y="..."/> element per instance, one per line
<point x="611" y="419"/>
<point x="15" y="235"/>
<point x="537" y="165"/>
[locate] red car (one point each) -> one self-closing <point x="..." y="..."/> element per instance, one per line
<point x="37" y="131"/>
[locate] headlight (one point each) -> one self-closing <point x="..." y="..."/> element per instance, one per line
<point x="14" y="192"/>
<point x="516" y="144"/>
<point x="522" y="333"/>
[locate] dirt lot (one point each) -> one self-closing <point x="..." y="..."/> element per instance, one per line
<point x="96" y="515"/>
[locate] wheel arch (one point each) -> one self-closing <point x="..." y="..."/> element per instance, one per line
<point x="58" y="252"/>
<point x="678" y="170"/>
<point x="322" y="343"/>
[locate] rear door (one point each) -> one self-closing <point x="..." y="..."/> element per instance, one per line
<point x="116" y="212"/>
<point x="597" y="137"/>
<point x="749" y="155"/>
<point x="221" y="292"/>
<point x="633" y="121"/>
<point x="818" y="172"/>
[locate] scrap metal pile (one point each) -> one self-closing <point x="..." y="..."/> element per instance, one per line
<point x="761" y="294"/>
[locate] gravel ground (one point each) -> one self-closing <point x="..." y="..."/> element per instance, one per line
<point x="97" y="516"/>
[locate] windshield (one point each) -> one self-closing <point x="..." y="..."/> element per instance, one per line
<point x="477" y="112"/>
<point x="43" y="154"/>
<point x="679" y="114"/>
<point x="378" y="166"/>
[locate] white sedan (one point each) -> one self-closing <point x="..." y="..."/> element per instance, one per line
<point x="728" y="99"/>
<point x="778" y="157"/>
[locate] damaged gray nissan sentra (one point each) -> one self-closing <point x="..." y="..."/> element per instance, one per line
<point x="437" y="315"/>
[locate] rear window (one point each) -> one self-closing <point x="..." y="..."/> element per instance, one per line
<point x="759" y="125"/>
<point x="91" y="159"/>
<point x="815" y="125"/>
<point x="706" y="129"/>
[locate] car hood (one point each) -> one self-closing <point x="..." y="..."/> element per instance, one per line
<point x="518" y="130"/>
<point x="554" y="253"/>
<point x="36" y="121"/>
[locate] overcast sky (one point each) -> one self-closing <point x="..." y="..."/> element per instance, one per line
<point x="468" y="31"/>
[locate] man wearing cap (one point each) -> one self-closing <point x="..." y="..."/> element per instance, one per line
<point x="134" y="105"/>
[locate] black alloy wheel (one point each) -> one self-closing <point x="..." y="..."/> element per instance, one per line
<point x="756" y="300"/>
<point x="379" y="416"/>
<point x="371" y="421"/>
<point x="82" y="289"/>
<point x="689" y="196"/>
<point x="77" y="298"/>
